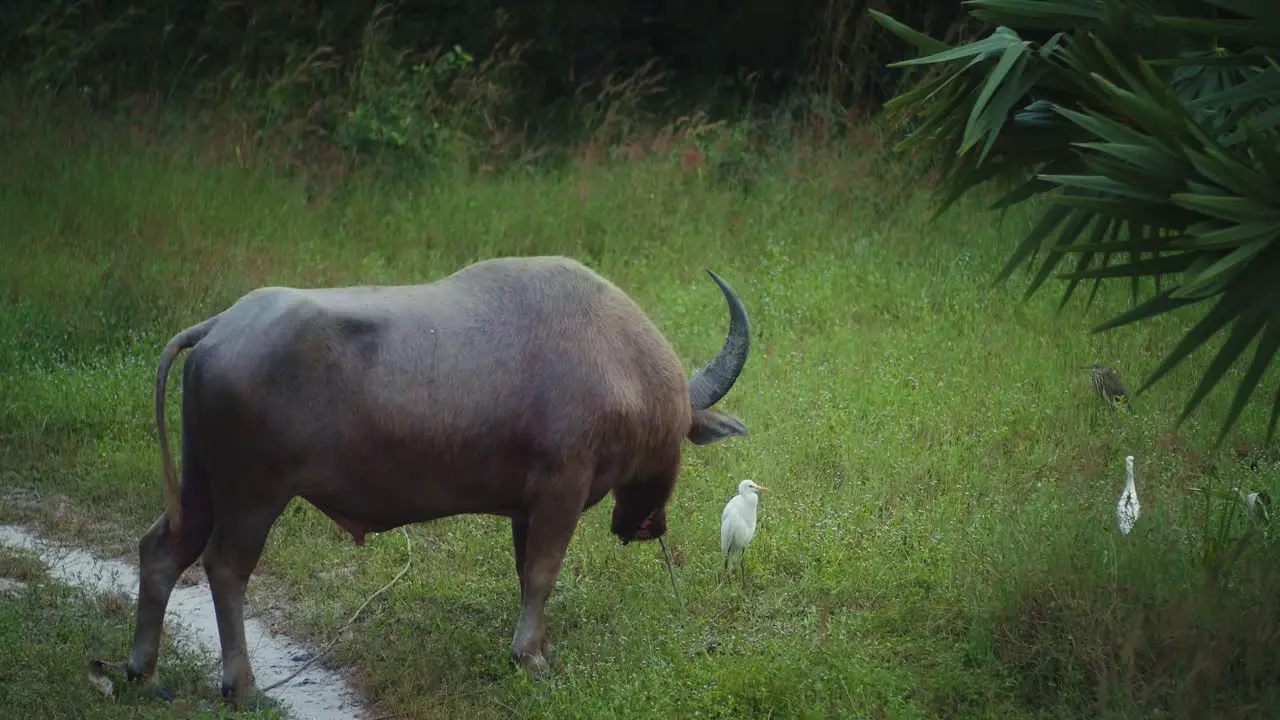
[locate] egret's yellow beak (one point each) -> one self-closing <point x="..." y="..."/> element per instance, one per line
<point x="762" y="488"/>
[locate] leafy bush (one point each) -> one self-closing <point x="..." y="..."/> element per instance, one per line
<point x="404" y="115"/>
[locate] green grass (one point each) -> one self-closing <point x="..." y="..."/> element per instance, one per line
<point x="940" y="539"/>
<point x="48" y="632"/>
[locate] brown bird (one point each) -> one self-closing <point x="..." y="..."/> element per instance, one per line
<point x="1106" y="382"/>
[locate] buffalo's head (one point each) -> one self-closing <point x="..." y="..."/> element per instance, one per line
<point x="652" y="527"/>
<point x="639" y="513"/>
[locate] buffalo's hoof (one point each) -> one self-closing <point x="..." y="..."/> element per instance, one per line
<point x="533" y="663"/>
<point x="133" y="674"/>
<point x="148" y="682"/>
<point x="251" y="699"/>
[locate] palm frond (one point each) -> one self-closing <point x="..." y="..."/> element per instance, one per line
<point x="1152" y="130"/>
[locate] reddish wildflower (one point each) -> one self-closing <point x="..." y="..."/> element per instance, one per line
<point x="691" y="160"/>
<point x="593" y="151"/>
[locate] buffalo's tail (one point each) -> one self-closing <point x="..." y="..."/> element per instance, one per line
<point x="183" y="340"/>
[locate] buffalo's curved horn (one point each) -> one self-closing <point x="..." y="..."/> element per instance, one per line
<point x="711" y="383"/>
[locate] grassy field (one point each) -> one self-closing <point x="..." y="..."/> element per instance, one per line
<point x="940" y="540"/>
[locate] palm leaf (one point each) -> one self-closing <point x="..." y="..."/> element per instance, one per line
<point x="1227" y="309"/>
<point x="1213" y="279"/>
<point x="1235" y="209"/>
<point x="1225" y="238"/>
<point x="1247" y="327"/>
<point x="1137" y="268"/>
<point x="1266" y="150"/>
<point x="1243" y="30"/>
<point x="1147" y="158"/>
<point x="1268" y="345"/>
<point x="1037" y="14"/>
<point x="996" y="42"/>
<point x="1105" y="186"/>
<point x="921" y="41"/>
<point x="1150" y="142"/>
<point x="1074" y="224"/>
<point x="1159" y="305"/>
<point x="1048" y="222"/>
<point x="1260" y="9"/>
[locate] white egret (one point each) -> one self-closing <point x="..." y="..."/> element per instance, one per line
<point x="1258" y="503"/>
<point x="738" y="523"/>
<point x="1127" y="509"/>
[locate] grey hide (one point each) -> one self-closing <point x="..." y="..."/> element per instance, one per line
<point x="525" y="387"/>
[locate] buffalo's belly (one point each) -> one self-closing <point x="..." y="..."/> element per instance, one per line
<point x="391" y="486"/>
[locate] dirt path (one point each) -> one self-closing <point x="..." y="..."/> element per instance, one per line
<point x="315" y="694"/>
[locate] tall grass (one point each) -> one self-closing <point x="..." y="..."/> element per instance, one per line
<point x="941" y="536"/>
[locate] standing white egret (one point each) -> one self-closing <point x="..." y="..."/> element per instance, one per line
<point x="1127" y="509"/>
<point x="1258" y="504"/>
<point x="738" y="523"/>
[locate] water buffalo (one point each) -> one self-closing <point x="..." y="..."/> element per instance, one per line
<point x="523" y="387"/>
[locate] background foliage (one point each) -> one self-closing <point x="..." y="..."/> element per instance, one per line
<point x="314" y="58"/>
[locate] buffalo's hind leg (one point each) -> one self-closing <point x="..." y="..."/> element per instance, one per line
<point x="232" y="554"/>
<point x="551" y="521"/>
<point x="163" y="555"/>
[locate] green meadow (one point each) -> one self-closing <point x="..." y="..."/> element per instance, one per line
<point x="940" y="537"/>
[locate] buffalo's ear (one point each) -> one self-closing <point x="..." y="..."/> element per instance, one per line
<point x="712" y="426"/>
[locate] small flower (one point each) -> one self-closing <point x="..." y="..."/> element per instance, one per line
<point x="691" y="160"/>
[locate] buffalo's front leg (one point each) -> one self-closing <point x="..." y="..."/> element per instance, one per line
<point x="519" y="538"/>
<point x="550" y="527"/>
